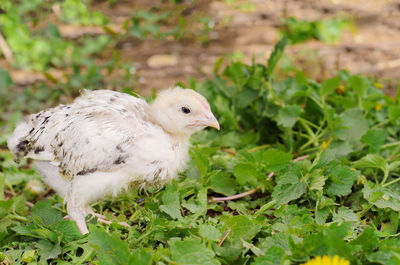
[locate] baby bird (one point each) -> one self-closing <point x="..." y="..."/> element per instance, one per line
<point x="107" y="141"/>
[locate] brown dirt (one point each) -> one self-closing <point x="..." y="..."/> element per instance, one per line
<point x="373" y="48"/>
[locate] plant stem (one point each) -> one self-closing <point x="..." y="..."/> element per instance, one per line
<point x="361" y="214"/>
<point x="390" y="144"/>
<point x="234" y="197"/>
<point x="309" y="123"/>
<point x="391" y="182"/>
<point x="385" y="176"/>
<point x="258" y="148"/>
<point x="308" y="129"/>
<point x="19" y="218"/>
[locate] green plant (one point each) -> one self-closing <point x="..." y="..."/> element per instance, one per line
<point x="328" y="30"/>
<point x="314" y="167"/>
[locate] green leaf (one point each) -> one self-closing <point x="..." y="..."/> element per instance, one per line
<point x="289" y="186"/>
<point x="273" y="159"/>
<point x="241" y="227"/>
<point x="246" y="173"/>
<point x="394" y="114"/>
<point x="328" y="241"/>
<point x="201" y="161"/>
<point x="288" y="115"/>
<point x="371" y="160"/>
<point x="368" y="240"/>
<point x="381" y="197"/>
<point x="344" y="214"/>
<point x="245" y="98"/>
<point x="359" y="85"/>
<point x="5" y="80"/>
<point x="317" y="181"/>
<point x="171" y="204"/>
<point x="2" y="180"/>
<point x="272" y="256"/>
<point x="321" y="215"/>
<point x="68" y="229"/>
<point x="209" y="232"/>
<point x="141" y="256"/>
<point x="110" y="249"/>
<point x="275" y="56"/>
<point x="19" y="205"/>
<point x="374" y="138"/>
<point x="44" y="211"/>
<point x="191" y="252"/>
<point x="5" y="207"/>
<point x="354" y="127"/>
<point x="223" y="183"/>
<point x="341" y="179"/>
<point x="48" y="250"/>
<point x="329" y="86"/>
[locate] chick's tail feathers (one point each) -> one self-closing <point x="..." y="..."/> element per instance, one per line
<point x="19" y="143"/>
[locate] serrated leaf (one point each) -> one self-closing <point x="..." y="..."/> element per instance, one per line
<point x="141" y="256"/>
<point x="368" y="240"/>
<point x="394" y="114"/>
<point x="44" y="212"/>
<point x="341" y="179"/>
<point x="171" y="204"/>
<point x="192" y="205"/>
<point x="371" y="160"/>
<point x="381" y="197"/>
<point x="209" y="232"/>
<point x="5" y="207"/>
<point x="223" y="183"/>
<point x="328" y="86"/>
<point x="272" y="256"/>
<point x="19" y="205"/>
<point x="241" y="227"/>
<point x="273" y="159"/>
<point x="354" y="127"/>
<point x="246" y="173"/>
<point x="191" y="252"/>
<point x="344" y="214"/>
<point x="201" y="161"/>
<point x="288" y="115"/>
<point x="245" y="97"/>
<point x="329" y="241"/>
<point x="359" y="85"/>
<point x="289" y="187"/>
<point x="68" y="229"/>
<point x="275" y="56"/>
<point x="110" y="249"/>
<point x="48" y="250"/>
<point x="321" y="215"/>
<point x="374" y="138"/>
<point x="317" y="181"/>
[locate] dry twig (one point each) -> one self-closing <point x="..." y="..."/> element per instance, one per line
<point x="234" y="197"/>
<point x="6" y="49"/>
<point x="224" y="237"/>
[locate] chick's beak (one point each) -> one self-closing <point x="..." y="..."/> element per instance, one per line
<point x="210" y="121"/>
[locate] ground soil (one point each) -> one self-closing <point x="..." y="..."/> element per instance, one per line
<point x="372" y="48"/>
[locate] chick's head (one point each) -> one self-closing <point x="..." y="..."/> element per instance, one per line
<point x="182" y="111"/>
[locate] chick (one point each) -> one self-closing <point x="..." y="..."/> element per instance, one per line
<point x="108" y="141"/>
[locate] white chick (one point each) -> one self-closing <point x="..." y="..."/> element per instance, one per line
<point x="108" y="141"/>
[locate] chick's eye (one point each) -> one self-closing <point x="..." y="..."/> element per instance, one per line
<point x="185" y="110"/>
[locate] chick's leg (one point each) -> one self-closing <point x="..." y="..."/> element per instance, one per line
<point x="102" y="219"/>
<point x="78" y="214"/>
